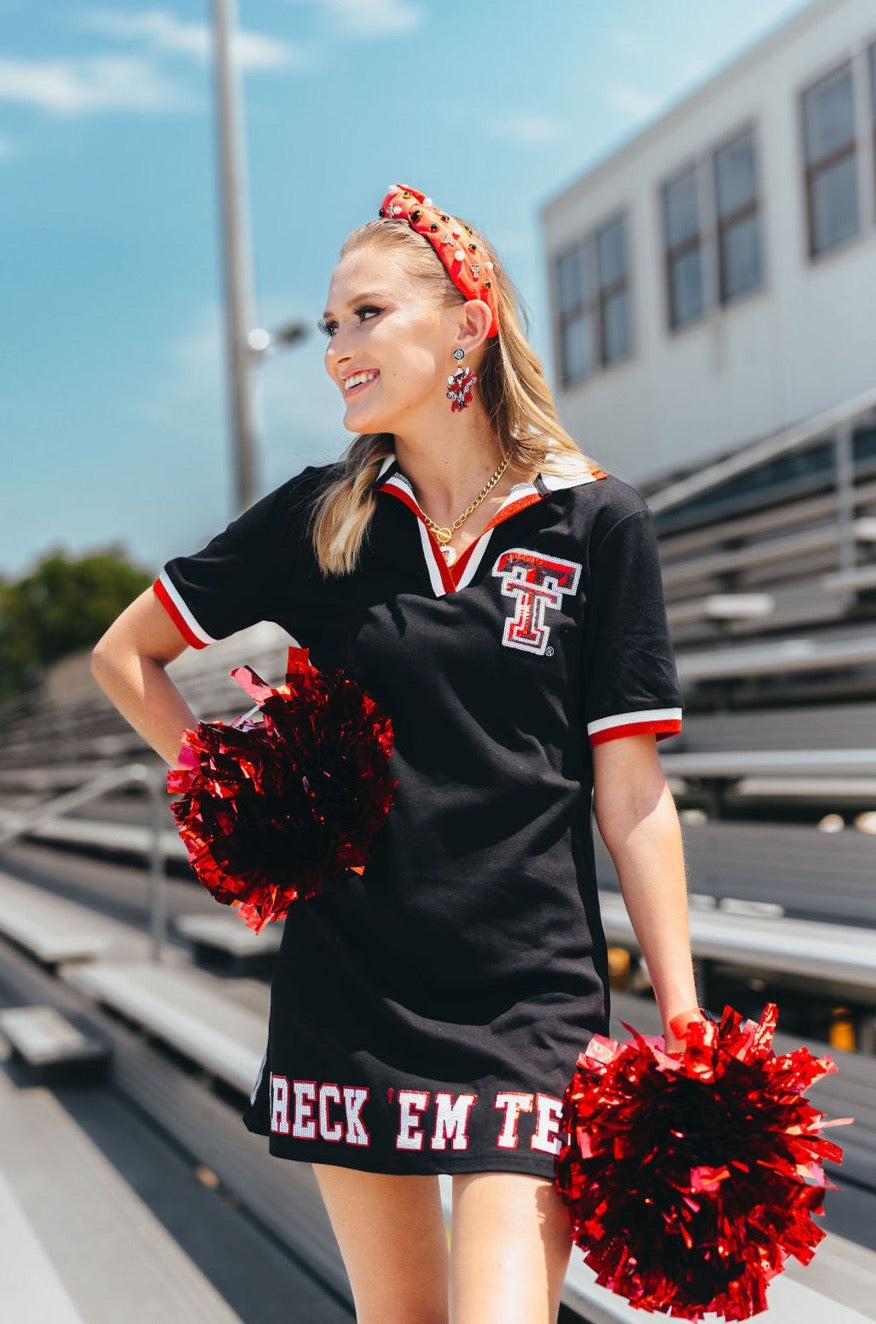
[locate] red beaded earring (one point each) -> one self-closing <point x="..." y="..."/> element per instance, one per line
<point x="460" y="384"/>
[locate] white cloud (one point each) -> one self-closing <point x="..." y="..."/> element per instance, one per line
<point x="84" y="86"/>
<point x="371" y="18"/>
<point x="634" y="103"/>
<point x="528" y="130"/>
<point x="164" y="32"/>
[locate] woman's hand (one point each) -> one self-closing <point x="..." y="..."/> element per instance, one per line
<point x="675" y="1032"/>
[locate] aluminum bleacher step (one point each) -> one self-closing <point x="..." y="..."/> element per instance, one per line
<point x="105" y="1256"/>
<point x="53" y="929"/>
<point x="42" y="1037"/>
<point x="838" y="953"/>
<point x="226" y="932"/>
<point x="125" y="838"/>
<point x="185" y="1008"/>
<point x="30" y="1289"/>
<point x="824" y="763"/>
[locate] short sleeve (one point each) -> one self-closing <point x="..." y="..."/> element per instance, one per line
<point x="630" y="681"/>
<point x="223" y="587"/>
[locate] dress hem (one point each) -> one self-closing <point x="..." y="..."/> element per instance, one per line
<point x="410" y="1164"/>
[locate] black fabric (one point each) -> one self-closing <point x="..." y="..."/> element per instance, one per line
<point x="628" y="659"/>
<point x="459" y="977"/>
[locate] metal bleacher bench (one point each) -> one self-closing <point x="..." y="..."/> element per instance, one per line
<point x="77" y="1243"/>
<point x="836" y="953"/>
<point x="812" y="875"/>
<point x="184" y="1008"/>
<point x="53" y="930"/>
<point x="227" y="935"/>
<point x="42" y="1037"/>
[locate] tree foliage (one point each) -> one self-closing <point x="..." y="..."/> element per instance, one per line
<point x="63" y="606"/>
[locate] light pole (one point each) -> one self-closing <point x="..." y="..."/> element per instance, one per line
<point x="243" y="346"/>
<point x="235" y="238"/>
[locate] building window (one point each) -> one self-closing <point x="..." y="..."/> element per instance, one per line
<point x="683" y="244"/>
<point x="614" y="303"/>
<point x="574" y="271"/>
<point x="736" y="210"/>
<point x="593" y="303"/>
<point x="831" y="167"/>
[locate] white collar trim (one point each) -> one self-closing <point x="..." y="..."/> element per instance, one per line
<point x="554" y="482"/>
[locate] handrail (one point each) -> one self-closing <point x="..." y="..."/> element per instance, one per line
<point x="758" y="452"/>
<point x="153" y="780"/>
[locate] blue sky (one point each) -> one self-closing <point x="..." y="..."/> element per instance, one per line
<point x="112" y="395"/>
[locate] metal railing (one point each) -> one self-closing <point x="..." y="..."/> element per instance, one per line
<point x="153" y="781"/>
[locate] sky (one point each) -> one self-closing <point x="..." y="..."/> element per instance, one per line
<point x="113" y="400"/>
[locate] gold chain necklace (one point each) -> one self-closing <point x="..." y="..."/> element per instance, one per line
<point x="444" y="534"/>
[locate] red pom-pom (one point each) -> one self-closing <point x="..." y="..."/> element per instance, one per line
<point x="690" y="1178"/>
<point x="271" y="809"/>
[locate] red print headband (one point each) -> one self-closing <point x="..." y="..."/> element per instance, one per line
<point x="452" y="240"/>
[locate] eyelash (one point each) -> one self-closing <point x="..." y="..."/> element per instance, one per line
<point x="329" y="328"/>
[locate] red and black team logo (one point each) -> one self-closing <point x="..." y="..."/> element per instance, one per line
<point x="537" y="582"/>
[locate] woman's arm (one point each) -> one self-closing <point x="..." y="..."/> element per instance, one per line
<point x="637" y="819"/>
<point x="128" y="663"/>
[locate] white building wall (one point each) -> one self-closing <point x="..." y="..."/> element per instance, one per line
<point x="804" y="340"/>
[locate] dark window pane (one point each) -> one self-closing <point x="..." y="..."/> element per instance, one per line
<point x="680" y="213"/>
<point x="615" y="327"/>
<point x="829" y="114"/>
<point x="611" y="249"/>
<point x="740" y="257"/>
<point x="575" y="277"/>
<point x="686" y="277"/>
<point x="578" y="358"/>
<point x="569" y="283"/>
<point x="734" y="175"/>
<point x="834" y="204"/>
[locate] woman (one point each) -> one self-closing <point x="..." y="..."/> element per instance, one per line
<point x="499" y="596"/>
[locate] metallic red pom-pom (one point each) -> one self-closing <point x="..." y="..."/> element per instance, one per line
<point x="272" y="809"/>
<point x="690" y="1178"/>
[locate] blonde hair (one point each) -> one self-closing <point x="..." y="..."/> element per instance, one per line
<point x="512" y="385"/>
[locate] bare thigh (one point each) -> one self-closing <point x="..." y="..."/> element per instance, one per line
<point x="509" y="1249"/>
<point x="391" y="1234"/>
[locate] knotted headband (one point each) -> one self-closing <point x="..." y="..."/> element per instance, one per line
<point x="452" y="240"/>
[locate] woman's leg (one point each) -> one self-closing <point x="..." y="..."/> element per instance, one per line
<point x="390" y="1230"/>
<point x="509" y="1249"/>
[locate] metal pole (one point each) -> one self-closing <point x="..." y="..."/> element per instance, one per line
<point x="155" y="784"/>
<point x="236" y="253"/>
<point x="844" y="486"/>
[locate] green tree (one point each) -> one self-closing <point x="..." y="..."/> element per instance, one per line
<point x="63" y="606"/>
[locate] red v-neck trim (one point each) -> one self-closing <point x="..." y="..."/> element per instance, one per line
<point x="451" y="575"/>
<point x="511" y="509"/>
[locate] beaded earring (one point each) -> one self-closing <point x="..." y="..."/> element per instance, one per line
<point x="460" y="384"/>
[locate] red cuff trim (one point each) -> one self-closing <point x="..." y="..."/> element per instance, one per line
<point x="170" y="607"/>
<point x="666" y="727"/>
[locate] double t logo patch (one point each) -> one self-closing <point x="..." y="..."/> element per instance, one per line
<point x="537" y="582"/>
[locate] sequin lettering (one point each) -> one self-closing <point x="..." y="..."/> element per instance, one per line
<point x="513" y="1105"/>
<point x="423" y="1121"/>
<point x="548" y="1113"/>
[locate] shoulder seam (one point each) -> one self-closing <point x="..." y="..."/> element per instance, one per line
<point x="631" y="514"/>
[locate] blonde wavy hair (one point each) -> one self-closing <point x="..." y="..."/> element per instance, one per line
<point x="512" y="385"/>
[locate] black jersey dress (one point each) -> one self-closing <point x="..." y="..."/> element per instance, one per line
<point x="427" y="1014"/>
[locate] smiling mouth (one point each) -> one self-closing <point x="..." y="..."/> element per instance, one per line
<point x="359" y="382"/>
